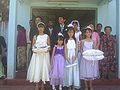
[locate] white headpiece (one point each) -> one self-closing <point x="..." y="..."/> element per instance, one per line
<point x="40" y="23"/>
<point x="88" y="27"/>
<point x="70" y="25"/>
<point x="77" y="24"/>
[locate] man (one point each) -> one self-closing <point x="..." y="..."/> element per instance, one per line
<point x="61" y="27"/>
<point x="99" y="29"/>
<point x="51" y="32"/>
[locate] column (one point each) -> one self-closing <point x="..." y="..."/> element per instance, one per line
<point x="11" y="55"/>
<point x="118" y="34"/>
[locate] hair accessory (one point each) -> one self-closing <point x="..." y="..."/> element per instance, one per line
<point x="70" y="25"/>
<point x="40" y="23"/>
<point x="76" y="21"/>
<point x="88" y="27"/>
<point x="60" y="34"/>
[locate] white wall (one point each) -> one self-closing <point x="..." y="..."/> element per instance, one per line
<point x="23" y="13"/>
<point x="107" y="15"/>
<point x="54" y="5"/>
<point x="106" y="12"/>
<point x="118" y="35"/>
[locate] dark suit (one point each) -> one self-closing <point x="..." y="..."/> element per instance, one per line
<point x="33" y="31"/>
<point x="52" y="39"/>
<point x="58" y="29"/>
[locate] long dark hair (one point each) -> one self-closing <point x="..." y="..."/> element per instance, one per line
<point x="67" y="36"/>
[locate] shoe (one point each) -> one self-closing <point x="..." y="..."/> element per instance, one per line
<point x="53" y="87"/>
<point x="60" y="87"/>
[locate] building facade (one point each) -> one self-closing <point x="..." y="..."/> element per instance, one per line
<point x="107" y="12"/>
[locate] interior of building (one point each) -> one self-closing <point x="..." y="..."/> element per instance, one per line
<point x="85" y="17"/>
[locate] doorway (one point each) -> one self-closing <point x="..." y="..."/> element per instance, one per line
<point x="85" y="17"/>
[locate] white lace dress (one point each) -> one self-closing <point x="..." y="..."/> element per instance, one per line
<point x="40" y="62"/>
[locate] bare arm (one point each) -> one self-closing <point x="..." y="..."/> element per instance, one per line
<point x="81" y="46"/>
<point x="33" y="41"/>
<point x="101" y="43"/>
<point x="76" y="50"/>
<point x="94" y="47"/>
<point x="48" y="42"/>
<point x="98" y="43"/>
<point x="81" y="37"/>
<point x="53" y="53"/>
<point x="65" y="51"/>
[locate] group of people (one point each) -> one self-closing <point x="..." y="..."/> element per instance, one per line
<point x="57" y="54"/>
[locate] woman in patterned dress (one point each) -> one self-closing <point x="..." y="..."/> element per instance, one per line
<point x="108" y="64"/>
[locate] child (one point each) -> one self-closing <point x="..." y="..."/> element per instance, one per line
<point x="40" y="62"/>
<point x="71" y="53"/>
<point x="58" y="61"/>
<point x="78" y="35"/>
<point x="88" y="69"/>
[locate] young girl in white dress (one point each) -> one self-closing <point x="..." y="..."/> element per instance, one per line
<point x="88" y="69"/>
<point x="40" y="62"/>
<point x="71" y="78"/>
<point x="78" y="35"/>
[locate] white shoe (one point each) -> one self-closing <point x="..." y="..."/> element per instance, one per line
<point x="60" y="87"/>
<point x="53" y="87"/>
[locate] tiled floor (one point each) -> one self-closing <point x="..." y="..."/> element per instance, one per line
<point x="33" y="88"/>
<point x="21" y="84"/>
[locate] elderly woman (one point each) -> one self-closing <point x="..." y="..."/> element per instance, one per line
<point x="107" y="45"/>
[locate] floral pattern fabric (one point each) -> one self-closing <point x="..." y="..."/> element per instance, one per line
<point x="108" y="64"/>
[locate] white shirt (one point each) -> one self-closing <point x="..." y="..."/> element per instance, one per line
<point x="62" y="27"/>
<point x="50" y="29"/>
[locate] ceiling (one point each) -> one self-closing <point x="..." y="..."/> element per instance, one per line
<point x="75" y="1"/>
<point x="83" y="16"/>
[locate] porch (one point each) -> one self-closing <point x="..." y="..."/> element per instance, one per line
<point x="19" y="83"/>
<point x="20" y="12"/>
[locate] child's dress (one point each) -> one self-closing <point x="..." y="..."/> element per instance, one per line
<point x="72" y="73"/>
<point x="77" y="36"/>
<point x="88" y="69"/>
<point x="57" y="72"/>
<point x="40" y="62"/>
